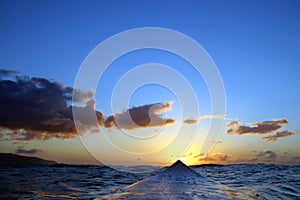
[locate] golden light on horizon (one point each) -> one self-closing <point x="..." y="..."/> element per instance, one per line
<point x="183" y="159"/>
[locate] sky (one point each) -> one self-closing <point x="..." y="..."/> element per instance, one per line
<point x="255" y="46"/>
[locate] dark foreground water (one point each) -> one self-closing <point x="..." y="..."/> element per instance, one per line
<point x="259" y="181"/>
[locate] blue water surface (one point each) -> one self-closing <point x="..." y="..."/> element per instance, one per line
<point x="259" y="181"/>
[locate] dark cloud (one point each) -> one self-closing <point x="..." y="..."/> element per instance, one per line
<point x="145" y="116"/>
<point x="25" y="151"/>
<point x="190" y="121"/>
<point x="255" y="128"/>
<point x="40" y="109"/>
<point x="36" y="108"/>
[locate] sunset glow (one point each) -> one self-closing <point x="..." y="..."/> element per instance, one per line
<point x="123" y="83"/>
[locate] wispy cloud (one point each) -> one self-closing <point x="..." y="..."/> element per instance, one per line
<point x="201" y="155"/>
<point x="145" y="116"/>
<point x="217" y="142"/>
<point x="193" y="120"/>
<point x="273" y="138"/>
<point x="217" y="116"/>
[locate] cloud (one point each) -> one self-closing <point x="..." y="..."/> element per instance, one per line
<point x="145" y="116"/>
<point x="190" y="121"/>
<point x="199" y="155"/>
<point x="223" y="158"/>
<point x="5" y="73"/>
<point x="246" y="159"/>
<point x="207" y="159"/>
<point x="295" y="158"/>
<point x="40" y="109"/>
<point x="267" y="156"/>
<point x="82" y="96"/>
<point x="262" y="156"/>
<point x="25" y="151"/>
<point x="217" y="157"/>
<point x="217" y="116"/>
<point x="36" y="108"/>
<point x="217" y="142"/>
<point x="273" y="138"/>
<point x="264" y="127"/>
<point x="20" y="135"/>
<point x="255" y="128"/>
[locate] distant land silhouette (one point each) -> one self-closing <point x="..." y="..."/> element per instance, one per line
<point x="14" y="159"/>
<point x="207" y="165"/>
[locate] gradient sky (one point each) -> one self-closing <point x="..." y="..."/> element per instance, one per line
<point x="255" y="45"/>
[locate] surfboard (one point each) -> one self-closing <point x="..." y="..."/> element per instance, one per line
<point x="176" y="182"/>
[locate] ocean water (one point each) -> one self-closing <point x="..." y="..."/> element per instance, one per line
<point x="258" y="181"/>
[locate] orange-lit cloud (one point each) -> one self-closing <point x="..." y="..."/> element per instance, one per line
<point x="255" y="128"/>
<point x="273" y="138"/>
<point x="145" y="116"/>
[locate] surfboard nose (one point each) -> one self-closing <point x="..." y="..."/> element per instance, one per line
<point x="178" y="163"/>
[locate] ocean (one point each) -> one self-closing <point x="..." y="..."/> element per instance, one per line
<point x="258" y="181"/>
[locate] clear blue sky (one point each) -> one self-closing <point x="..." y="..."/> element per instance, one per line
<point x="255" y="45"/>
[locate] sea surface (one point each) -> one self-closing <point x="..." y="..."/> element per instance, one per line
<point x="258" y="181"/>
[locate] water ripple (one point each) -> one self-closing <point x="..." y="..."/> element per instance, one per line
<point x="260" y="181"/>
